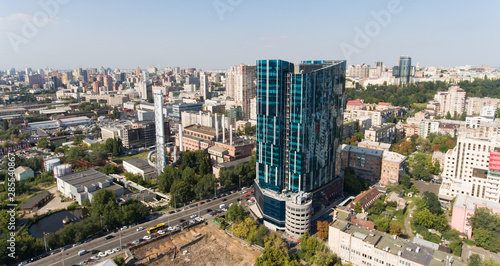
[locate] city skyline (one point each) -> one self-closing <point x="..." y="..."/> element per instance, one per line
<point x="70" y="34"/>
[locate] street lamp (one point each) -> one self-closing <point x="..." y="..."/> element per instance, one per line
<point x="239" y="182"/>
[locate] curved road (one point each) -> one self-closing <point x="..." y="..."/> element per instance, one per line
<point x="70" y="256"/>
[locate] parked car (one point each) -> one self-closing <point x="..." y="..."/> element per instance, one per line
<point x="109" y="237"/>
<point x="140" y="229"/>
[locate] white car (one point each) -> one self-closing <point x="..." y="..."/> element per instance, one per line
<point x="146" y="238"/>
<point x="135" y="242"/>
<point x="193" y="216"/>
<point x="116" y="249"/>
<point x="95" y="257"/>
<point x="109" y="252"/>
<point x="161" y="232"/>
<point x="102" y="254"/>
<point x="123" y="228"/>
<point x="139" y="229"/>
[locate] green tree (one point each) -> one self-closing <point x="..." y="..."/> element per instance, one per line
<point x="180" y="191"/>
<point x="357" y="207"/>
<point x="108" y="169"/>
<point x="475" y="260"/>
<point x="205" y="186"/>
<point x="98" y="153"/>
<point x="133" y="211"/>
<point x="5" y="125"/>
<point x="42" y="143"/>
<point x="236" y="213"/>
<point x="432" y="202"/>
<point x="75" y="153"/>
<point x="167" y="177"/>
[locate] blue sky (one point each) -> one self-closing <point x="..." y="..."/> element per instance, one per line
<point x="215" y="34"/>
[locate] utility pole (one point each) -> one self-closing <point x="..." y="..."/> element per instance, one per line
<point x="239" y="182"/>
<point x="44" y="242"/>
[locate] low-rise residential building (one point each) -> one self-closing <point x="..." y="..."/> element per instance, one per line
<point x="363" y="246"/>
<point x="366" y="199"/>
<point x="371" y="164"/>
<point x="384" y="133"/>
<point x="365" y="162"/>
<point x="139" y="166"/>
<point x="464" y="207"/>
<point x="216" y="168"/>
<point x="23" y="172"/>
<point x="378" y="117"/>
<point x="80" y="186"/>
<point x="393" y="164"/>
<point x="349" y="128"/>
<point x="35" y="202"/>
<point x="375" y="145"/>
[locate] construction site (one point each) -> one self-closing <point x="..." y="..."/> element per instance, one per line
<point x="198" y="245"/>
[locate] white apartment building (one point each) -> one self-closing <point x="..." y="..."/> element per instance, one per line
<point x="466" y="170"/>
<point x="475" y="104"/>
<point x="378" y="117"/>
<point x="362" y="246"/>
<point x="241" y="86"/>
<point x="451" y="101"/>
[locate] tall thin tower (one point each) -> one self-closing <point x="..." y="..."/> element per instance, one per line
<point x="160" y="131"/>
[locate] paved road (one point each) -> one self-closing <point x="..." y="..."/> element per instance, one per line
<point x="70" y="256"/>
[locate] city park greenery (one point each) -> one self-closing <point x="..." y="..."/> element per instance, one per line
<point x="486" y="229"/>
<point x="192" y="178"/>
<point x="312" y="250"/>
<point x="429" y="216"/>
<point x="421" y="92"/>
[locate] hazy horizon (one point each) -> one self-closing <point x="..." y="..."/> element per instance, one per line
<point x="214" y="35"/>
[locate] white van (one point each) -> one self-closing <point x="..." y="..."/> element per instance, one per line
<point x="82" y="252"/>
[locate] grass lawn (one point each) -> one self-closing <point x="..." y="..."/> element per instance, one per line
<point x="143" y="155"/>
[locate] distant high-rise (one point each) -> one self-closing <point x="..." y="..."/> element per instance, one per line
<point x="404" y="70"/>
<point x="160" y="130"/>
<point x="241" y="86"/>
<point x="204" y="86"/>
<point x="299" y="123"/>
<point x="137" y="71"/>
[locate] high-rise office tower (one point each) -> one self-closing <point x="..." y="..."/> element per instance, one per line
<point x="241" y="86"/>
<point x="404" y="70"/>
<point x="299" y="123"/>
<point x="160" y="131"/>
<point x="204" y="85"/>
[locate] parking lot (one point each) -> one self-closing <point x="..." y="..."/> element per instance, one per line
<point x="426" y="186"/>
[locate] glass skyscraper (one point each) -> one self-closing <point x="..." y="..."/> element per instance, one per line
<point x="299" y="122"/>
<point x="404" y="70"/>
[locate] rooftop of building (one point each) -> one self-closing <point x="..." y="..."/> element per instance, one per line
<point x="34" y="200"/>
<point x="141" y="164"/>
<point x="356" y="102"/>
<point x="367" y="196"/>
<point x="375" y="144"/>
<point x="360" y="150"/>
<point x="394" y="157"/>
<point x="144" y="195"/>
<point x="233" y="163"/>
<point x="471" y="203"/>
<point x="202" y="129"/>
<point x="217" y="149"/>
<point x="85" y="178"/>
<point x="22" y="169"/>
<point x="383" y="126"/>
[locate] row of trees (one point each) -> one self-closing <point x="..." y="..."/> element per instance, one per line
<point x="486" y="229"/>
<point x="105" y="214"/>
<point x="421" y="92"/>
<point x="429" y="215"/>
<point x="193" y="178"/>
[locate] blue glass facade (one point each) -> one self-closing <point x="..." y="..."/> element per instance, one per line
<point x="299" y="121"/>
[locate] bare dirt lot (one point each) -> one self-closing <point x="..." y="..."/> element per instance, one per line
<point x="213" y="247"/>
